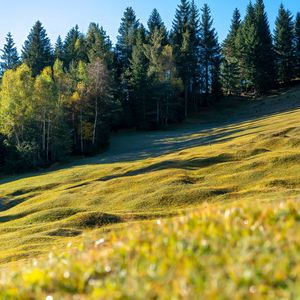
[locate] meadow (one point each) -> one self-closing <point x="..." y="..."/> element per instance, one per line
<point x="209" y="208"/>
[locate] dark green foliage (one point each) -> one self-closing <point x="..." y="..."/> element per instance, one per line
<point x="210" y="53"/>
<point x="75" y="48"/>
<point x="230" y="67"/>
<point x="37" y="51"/>
<point x="284" y="45"/>
<point x="265" y="64"/>
<point x="99" y="45"/>
<point x="59" y="49"/>
<point x="9" y="58"/>
<point x="126" y="37"/>
<point x="247" y="42"/>
<point x="297" y="44"/>
<point x="138" y="79"/>
<point x="155" y="22"/>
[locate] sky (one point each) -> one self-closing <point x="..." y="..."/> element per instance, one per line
<point x="59" y="16"/>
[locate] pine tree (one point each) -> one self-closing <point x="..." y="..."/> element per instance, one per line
<point x="126" y="37"/>
<point x="37" y="51"/>
<point x="297" y="44"/>
<point x="155" y="21"/>
<point x="264" y="59"/>
<point x="247" y="43"/>
<point x="59" y="49"/>
<point x="138" y="79"/>
<point x="99" y="45"/>
<point x="209" y="53"/>
<point x="75" y="49"/>
<point x="194" y="25"/>
<point x="9" y="58"/>
<point x="181" y="42"/>
<point x="284" y="45"/>
<point x="230" y="69"/>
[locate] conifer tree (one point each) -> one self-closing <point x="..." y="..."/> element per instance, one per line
<point x="264" y="58"/>
<point x="230" y="68"/>
<point x="126" y="37"/>
<point x="37" y="51"/>
<point x="209" y="52"/>
<point x="99" y="45"/>
<point x="194" y="25"/>
<point x="247" y="43"/>
<point x="74" y="48"/>
<point x="297" y="45"/>
<point x="155" y="21"/>
<point x="284" y="45"/>
<point x="9" y="58"/>
<point x="59" y="49"/>
<point x="138" y="79"/>
<point x="181" y="42"/>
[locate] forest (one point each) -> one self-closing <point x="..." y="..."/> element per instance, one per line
<point x="63" y="100"/>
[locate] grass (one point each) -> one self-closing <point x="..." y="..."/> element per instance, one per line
<point x="234" y="180"/>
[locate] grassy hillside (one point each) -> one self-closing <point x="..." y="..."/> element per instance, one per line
<point x="235" y="168"/>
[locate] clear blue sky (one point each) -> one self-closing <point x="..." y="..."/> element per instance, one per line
<point x="58" y="16"/>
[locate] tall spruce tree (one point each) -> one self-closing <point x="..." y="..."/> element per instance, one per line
<point x="230" y="68"/>
<point x="297" y="45"/>
<point x="99" y="45"/>
<point x="155" y="21"/>
<point x="264" y="59"/>
<point x="209" y="53"/>
<point x="37" y="51"/>
<point x="247" y="43"/>
<point x="126" y="37"/>
<point x="284" y="45"/>
<point x="75" y="49"/>
<point x="181" y="42"/>
<point x="9" y="58"/>
<point x="138" y="80"/>
<point x="194" y="49"/>
<point x="59" y="49"/>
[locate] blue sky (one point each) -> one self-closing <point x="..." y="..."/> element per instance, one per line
<point x="58" y="16"/>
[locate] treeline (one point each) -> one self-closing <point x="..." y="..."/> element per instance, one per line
<point x="65" y="99"/>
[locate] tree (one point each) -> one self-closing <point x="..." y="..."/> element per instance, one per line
<point x="16" y="113"/>
<point x="284" y="45"/>
<point x="209" y="52"/>
<point x="45" y="98"/>
<point x="59" y="49"/>
<point x="247" y="43"/>
<point x="99" y="45"/>
<point x="37" y="51"/>
<point x="155" y="22"/>
<point x="297" y="44"/>
<point x="99" y="91"/>
<point x="181" y="42"/>
<point x="264" y="59"/>
<point x="138" y="79"/>
<point x="9" y="58"/>
<point x="75" y="49"/>
<point x="126" y="38"/>
<point x="164" y="84"/>
<point x="230" y="69"/>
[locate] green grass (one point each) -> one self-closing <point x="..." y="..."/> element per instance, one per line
<point x="233" y="170"/>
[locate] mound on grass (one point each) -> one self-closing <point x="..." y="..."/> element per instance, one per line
<point x="236" y="251"/>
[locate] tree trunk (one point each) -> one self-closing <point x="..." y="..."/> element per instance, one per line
<point x="48" y="138"/>
<point x="186" y="99"/>
<point x="81" y="131"/>
<point x="96" y="121"/>
<point x="44" y="132"/>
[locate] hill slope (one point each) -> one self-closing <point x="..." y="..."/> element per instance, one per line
<point x="250" y="153"/>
